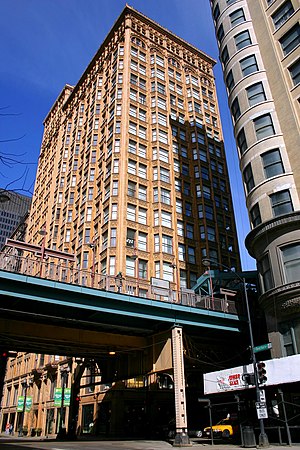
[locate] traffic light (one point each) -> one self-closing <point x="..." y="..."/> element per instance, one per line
<point x="6" y="354"/>
<point x="248" y="378"/>
<point x="261" y="372"/>
<point x="4" y="357"/>
<point x="3" y="364"/>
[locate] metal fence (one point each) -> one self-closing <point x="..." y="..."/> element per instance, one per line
<point x="67" y="273"/>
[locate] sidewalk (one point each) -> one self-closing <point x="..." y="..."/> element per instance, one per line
<point x="137" y="444"/>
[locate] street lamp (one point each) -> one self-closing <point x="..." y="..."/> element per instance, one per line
<point x="92" y="246"/>
<point x="119" y="281"/>
<point x="64" y="372"/>
<point x="136" y="269"/>
<point x="263" y="438"/>
<point x="25" y="386"/>
<point x="43" y="233"/>
<point x="175" y="277"/>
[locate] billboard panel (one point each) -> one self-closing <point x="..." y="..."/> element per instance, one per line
<point x="278" y="371"/>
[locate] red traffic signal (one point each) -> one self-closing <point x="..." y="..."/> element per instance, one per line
<point x="77" y="399"/>
<point x="3" y="360"/>
<point x="261" y="372"/>
<point x="6" y="354"/>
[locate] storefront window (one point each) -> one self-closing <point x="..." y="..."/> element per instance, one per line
<point x="87" y="418"/>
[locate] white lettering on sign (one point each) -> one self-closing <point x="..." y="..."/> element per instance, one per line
<point x="262" y="412"/>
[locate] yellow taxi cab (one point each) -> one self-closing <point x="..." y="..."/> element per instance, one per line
<point x="225" y="428"/>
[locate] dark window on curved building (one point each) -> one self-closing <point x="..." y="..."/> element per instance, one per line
<point x="255" y="215"/>
<point x="248" y="65"/>
<point x="281" y="203"/>
<point x="242" y="40"/>
<point x="263" y="126"/>
<point x="288" y="339"/>
<point x="225" y="55"/>
<point x="242" y="141"/>
<point x="290" y="39"/>
<point x="237" y="17"/>
<point x="216" y="12"/>
<point x="256" y="93"/>
<point x="248" y="177"/>
<point x="220" y="33"/>
<point x="291" y="262"/>
<point x="235" y="109"/>
<point x="265" y="272"/>
<point x="230" y="81"/>
<point x="272" y="163"/>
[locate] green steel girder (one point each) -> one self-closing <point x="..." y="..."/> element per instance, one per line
<point x="25" y="295"/>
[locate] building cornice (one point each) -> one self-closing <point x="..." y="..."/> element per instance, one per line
<point x="61" y="98"/>
<point x="271" y="227"/>
<point x="129" y="11"/>
<point x="286" y="298"/>
<point x="173" y="36"/>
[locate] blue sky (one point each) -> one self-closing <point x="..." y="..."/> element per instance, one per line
<point x="48" y="43"/>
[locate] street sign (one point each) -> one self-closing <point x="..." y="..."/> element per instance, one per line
<point x="262" y="395"/>
<point x="262" y="413"/>
<point x="57" y="397"/>
<point x="67" y="396"/>
<point x="20" y="404"/>
<point x="261" y="409"/>
<point x="28" y="404"/>
<point x="263" y="347"/>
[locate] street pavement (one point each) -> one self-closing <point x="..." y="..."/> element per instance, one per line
<point x="38" y="443"/>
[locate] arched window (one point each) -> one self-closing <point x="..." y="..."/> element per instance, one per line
<point x="138" y="41"/>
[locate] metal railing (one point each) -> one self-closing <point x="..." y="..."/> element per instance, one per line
<point x="67" y="273"/>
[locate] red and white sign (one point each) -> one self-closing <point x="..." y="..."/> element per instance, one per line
<point x="278" y="371"/>
<point x="226" y="380"/>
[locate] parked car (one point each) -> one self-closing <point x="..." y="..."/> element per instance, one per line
<point x="225" y="428"/>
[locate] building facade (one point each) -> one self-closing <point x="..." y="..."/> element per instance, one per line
<point x="40" y="380"/>
<point x="132" y="175"/>
<point x="12" y="211"/>
<point x="132" y="180"/>
<point x="259" y="51"/>
<point x="106" y="409"/>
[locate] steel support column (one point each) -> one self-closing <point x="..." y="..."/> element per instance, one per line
<point x="181" y="436"/>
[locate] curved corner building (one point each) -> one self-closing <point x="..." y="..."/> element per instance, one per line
<point x="260" y="54"/>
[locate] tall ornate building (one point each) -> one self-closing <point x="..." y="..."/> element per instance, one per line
<point x="259" y="49"/>
<point x="132" y="175"/>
